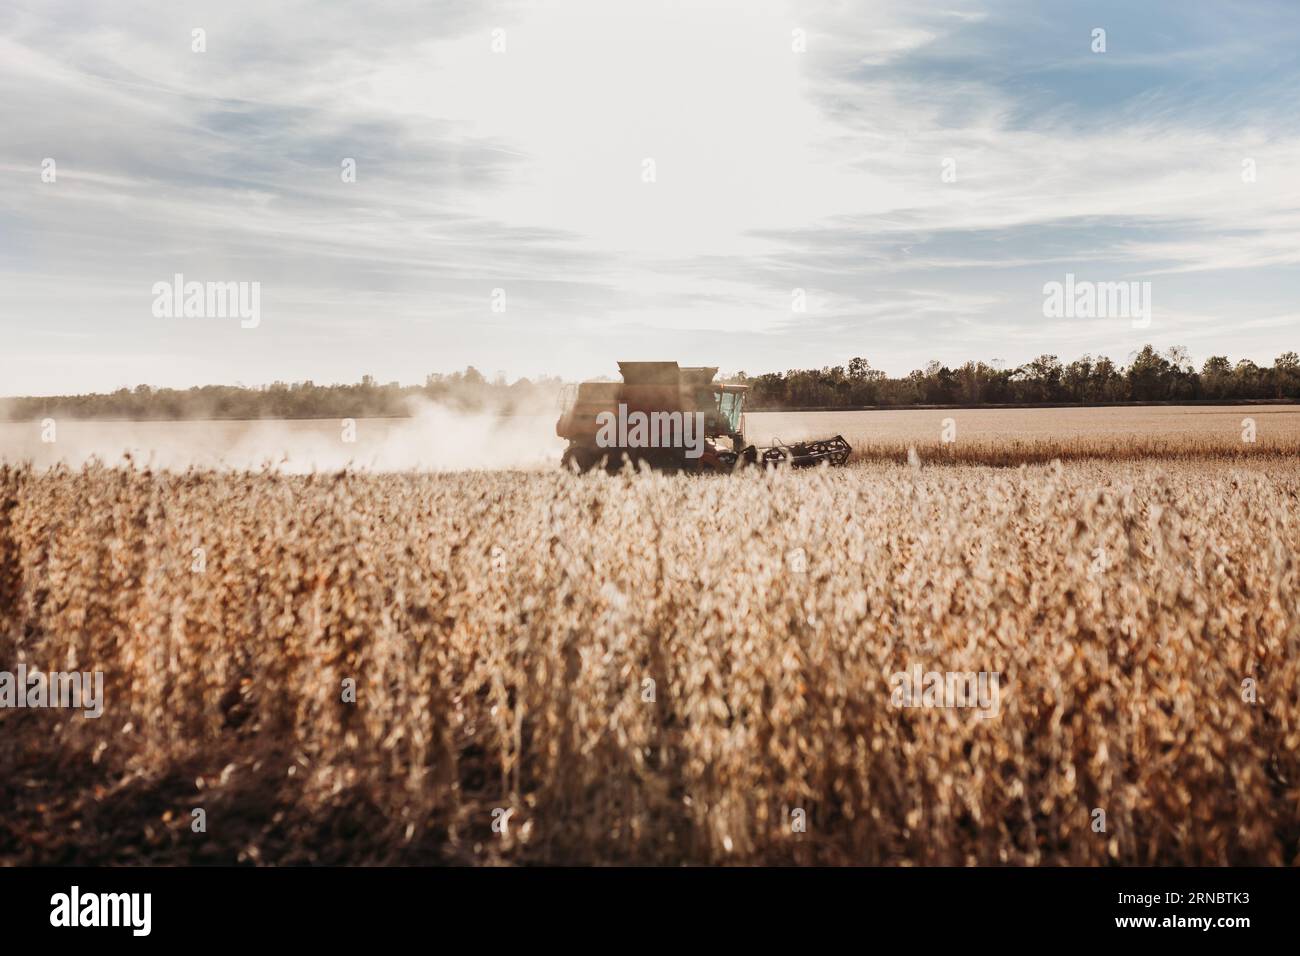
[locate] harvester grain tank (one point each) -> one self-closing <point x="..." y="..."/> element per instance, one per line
<point x="672" y="417"/>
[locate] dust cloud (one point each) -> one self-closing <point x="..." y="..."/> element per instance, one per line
<point x="434" y="438"/>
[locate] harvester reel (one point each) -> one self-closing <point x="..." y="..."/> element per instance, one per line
<point x="808" y="454"/>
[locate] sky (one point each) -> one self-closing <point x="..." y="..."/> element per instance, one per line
<point x="550" y="187"/>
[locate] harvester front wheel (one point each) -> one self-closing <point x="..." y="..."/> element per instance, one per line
<point x="579" y="458"/>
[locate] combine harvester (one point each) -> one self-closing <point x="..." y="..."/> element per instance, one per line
<point x="672" y="418"/>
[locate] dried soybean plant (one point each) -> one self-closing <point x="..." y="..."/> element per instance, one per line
<point x="549" y="668"/>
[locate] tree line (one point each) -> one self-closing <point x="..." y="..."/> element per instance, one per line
<point x="1151" y="376"/>
<point x="466" y="391"/>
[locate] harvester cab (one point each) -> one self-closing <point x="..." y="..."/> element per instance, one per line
<point x="672" y="417"/>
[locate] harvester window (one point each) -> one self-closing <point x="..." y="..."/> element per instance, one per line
<point x="729" y="408"/>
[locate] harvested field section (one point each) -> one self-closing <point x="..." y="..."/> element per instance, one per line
<point x="1015" y="436"/>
